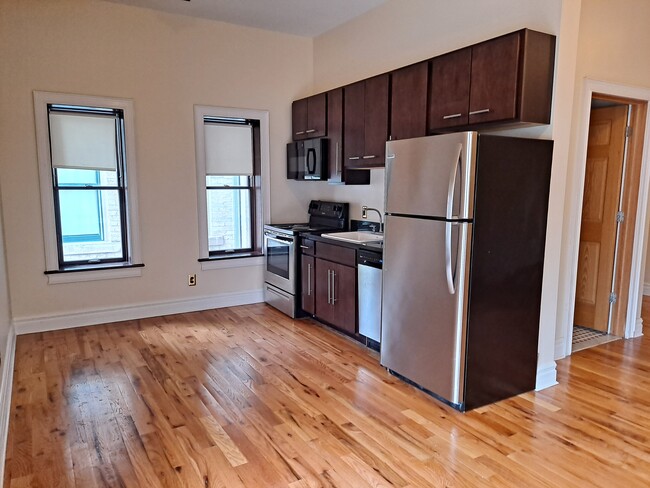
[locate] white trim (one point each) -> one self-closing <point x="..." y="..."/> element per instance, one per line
<point x="574" y="198"/>
<point x="646" y="288"/>
<point x="6" y="383"/>
<point x="201" y="111"/>
<point x="232" y="263"/>
<point x="638" y="328"/>
<point x="41" y="100"/>
<point x="559" y="348"/>
<point x="546" y="376"/>
<point x="46" y="323"/>
<point x="93" y="275"/>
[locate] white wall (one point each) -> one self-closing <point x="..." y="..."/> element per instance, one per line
<point x="401" y="32"/>
<point x="166" y="64"/>
<point x="5" y="309"/>
<point x="613" y="44"/>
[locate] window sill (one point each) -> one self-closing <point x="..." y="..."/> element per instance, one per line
<point x="93" y="273"/>
<point x="232" y="261"/>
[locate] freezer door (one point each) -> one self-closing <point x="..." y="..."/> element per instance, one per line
<point x="431" y="176"/>
<point x="424" y="303"/>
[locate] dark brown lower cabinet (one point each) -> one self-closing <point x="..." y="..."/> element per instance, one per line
<point x="336" y="292"/>
<point x="308" y="284"/>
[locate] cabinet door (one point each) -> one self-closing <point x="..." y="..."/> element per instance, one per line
<point x="308" y="284"/>
<point x="495" y="71"/>
<point x="375" y="120"/>
<point x="353" y="123"/>
<point x="449" y="90"/>
<point x="317" y="116"/>
<point x="335" y="134"/>
<point x="344" y="295"/>
<point x="299" y="119"/>
<point x="408" y="113"/>
<point x="338" y="174"/>
<point x="336" y="295"/>
<point x="324" y="309"/>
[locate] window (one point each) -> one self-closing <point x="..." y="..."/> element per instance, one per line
<point x="88" y="207"/>
<point x="230" y="147"/>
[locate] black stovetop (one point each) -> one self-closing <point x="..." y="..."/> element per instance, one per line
<point x="323" y="216"/>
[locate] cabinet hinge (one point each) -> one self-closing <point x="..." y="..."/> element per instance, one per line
<point x="628" y="131"/>
<point x="613" y="297"/>
<point x="620" y="217"/>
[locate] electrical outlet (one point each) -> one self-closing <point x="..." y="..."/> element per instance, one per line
<point x="191" y="280"/>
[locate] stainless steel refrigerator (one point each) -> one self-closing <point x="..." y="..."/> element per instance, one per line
<point x="463" y="259"/>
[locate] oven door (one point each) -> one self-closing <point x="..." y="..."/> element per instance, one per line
<point x="280" y="261"/>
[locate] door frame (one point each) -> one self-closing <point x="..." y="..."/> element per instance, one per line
<point x="633" y="322"/>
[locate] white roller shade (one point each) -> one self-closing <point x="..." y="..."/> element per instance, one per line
<point x="228" y="149"/>
<point x="83" y="142"/>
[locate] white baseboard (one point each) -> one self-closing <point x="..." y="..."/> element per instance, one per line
<point x="6" y="382"/>
<point x="29" y="325"/>
<point x="646" y="288"/>
<point x="546" y="376"/>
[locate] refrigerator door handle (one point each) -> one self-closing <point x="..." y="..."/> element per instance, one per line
<point x="453" y="174"/>
<point x="450" y="275"/>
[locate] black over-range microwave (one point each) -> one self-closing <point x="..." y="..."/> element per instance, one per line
<point x="308" y="159"/>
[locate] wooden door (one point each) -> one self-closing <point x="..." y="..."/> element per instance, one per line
<point x="603" y="175"/>
<point x="495" y="73"/>
<point x="408" y="114"/>
<point x="449" y="90"/>
<point x="375" y="120"/>
<point x="308" y="284"/>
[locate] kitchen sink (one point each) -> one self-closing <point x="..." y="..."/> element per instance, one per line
<point x="358" y="237"/>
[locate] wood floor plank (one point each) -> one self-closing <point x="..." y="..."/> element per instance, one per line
<point x="247" y="397"/>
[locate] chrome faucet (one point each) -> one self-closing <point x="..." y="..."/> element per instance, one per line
<point x="364" y="215"/>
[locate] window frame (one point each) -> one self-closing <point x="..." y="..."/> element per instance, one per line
<point x="259" y="184"/>
<point x="56" y="271"/>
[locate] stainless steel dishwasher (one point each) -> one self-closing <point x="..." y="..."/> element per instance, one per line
<point x="369" y="269"/>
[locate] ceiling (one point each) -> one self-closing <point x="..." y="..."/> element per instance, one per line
<point x="308" y="18"/>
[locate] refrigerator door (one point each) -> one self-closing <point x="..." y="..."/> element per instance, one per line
<point x="423" y="312"/>
<point x="431" y="176"/>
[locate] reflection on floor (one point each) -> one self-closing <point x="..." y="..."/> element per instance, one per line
<point x="584" y="338"/>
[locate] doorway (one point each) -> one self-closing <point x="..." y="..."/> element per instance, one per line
<point x="607" y="230"/>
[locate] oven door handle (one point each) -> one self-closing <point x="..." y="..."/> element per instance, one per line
<point x="275" y="238"/>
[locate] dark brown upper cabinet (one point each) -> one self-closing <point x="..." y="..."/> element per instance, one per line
<point x="309" y="117"/>
<point x="338" y="173"/>
<point x="449" y="92"/>
<point x="507" y="80"/>
<point x="365" y="126"/>
<point x="408" y="112"/>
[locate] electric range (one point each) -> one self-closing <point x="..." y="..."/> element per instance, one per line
<point x="282" y="251"/>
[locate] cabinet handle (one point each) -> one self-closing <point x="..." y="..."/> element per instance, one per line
<point x="370" y="157"/>
<point x="304" y="247"/>
<point x="483" y="111"/>
<point x="336" y="164"/>
<point x="354" y="158"/>
<point x="300" y="133"/>
<point x="452" y="116"/>
<point x="329" y="287"/>
<point x="309" y="131"/>
<point x="309" y="279"/>
<point x="333" y="287"/>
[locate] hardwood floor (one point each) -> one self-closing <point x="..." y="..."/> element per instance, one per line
<point x="246" y="397"/>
